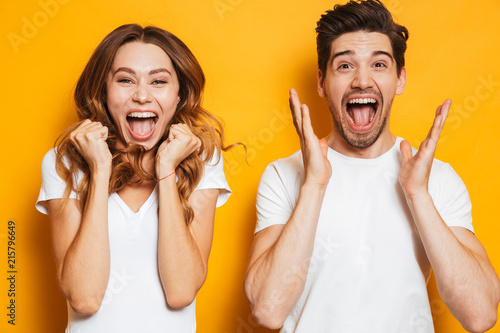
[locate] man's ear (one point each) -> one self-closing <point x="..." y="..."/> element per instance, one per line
<point x="400" y="86"/>
<point x="321" y="82"/>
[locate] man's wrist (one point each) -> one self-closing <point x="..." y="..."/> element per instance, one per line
<point x="418" y="198"/>
<point x="313" y="188"/>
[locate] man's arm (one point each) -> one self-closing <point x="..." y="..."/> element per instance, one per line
<point x="466" y="281"/>
<point x="277" y="268"/>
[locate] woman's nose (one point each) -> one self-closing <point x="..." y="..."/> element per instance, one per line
<point x="142" y="94"/>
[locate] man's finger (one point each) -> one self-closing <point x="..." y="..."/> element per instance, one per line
<point x="445" y="110"/>
<point x="438" y="111"/>
<point x="437" y="127"/>
<point x="406" y="150"/>
<point x="296" y="111"/>
<point x="324" y="147"/>
<point x="434" y="133"/>
<point x="306" y="123"/>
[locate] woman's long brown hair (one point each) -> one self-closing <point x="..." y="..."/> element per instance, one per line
<point x="90" y="98"/>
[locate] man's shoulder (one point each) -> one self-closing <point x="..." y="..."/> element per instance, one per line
<point x="285" y="170"/>
<point x="441" y="172"/>
<point x="439" y="165"/>
<point x="289" y="165"/>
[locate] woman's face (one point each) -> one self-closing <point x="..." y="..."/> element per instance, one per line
<point x="142" y="93"/>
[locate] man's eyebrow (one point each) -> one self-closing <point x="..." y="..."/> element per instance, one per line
<point x="376" y="53"/>
<point x="350" y="52"/>
<point x="338" y="54"/>
<point x="152" y="72"/>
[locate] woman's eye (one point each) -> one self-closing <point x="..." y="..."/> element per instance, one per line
<point x="125" y="81"/>
<point x="157" y="82"/>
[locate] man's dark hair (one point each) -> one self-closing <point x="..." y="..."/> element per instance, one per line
<point x="369" y="16"/>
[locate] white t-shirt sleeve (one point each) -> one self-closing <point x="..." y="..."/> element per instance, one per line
<point x="452" y="200"/>
<point x="214" y="177"/>
<point x="274" y="205"/>
<point x="52" y="185"/>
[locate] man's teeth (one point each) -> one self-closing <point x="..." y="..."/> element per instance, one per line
<point x="362" y="101"/>
<point x="142" y="115"/>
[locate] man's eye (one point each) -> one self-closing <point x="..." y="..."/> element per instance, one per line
<point x="344" y="66"/>
<point x="379" y="64"/>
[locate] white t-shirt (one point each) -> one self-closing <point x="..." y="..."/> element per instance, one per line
<point x="368" y="271"/>
<point x="134" y="300"/>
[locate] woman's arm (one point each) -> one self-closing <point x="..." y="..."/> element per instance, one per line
<point x="80" y="239"/>
<point x="183" y="249"/>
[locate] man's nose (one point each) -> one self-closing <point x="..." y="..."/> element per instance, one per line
<point x="362" y="79"/>
<point x="142" y="94"/>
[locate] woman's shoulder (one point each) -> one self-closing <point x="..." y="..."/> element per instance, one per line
<point x="214" y="177"/>
<point x="53" y="186"/>
<point x="49" y="159"/>
<point x="50" y="168"/>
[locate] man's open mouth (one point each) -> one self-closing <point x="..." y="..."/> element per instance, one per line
<point x="141" y="124"/>
<point x="361" y="113"/>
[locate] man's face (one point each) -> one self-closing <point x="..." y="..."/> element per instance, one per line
<point x="359" y="84"/>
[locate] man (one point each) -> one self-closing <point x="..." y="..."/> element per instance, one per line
<point x="349" y="227"/>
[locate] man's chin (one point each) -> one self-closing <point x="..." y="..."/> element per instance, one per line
<point x="360" y="143"/>
<point x="361" y="140"/>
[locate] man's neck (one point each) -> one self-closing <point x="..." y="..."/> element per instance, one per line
<point x="385" y="142"/>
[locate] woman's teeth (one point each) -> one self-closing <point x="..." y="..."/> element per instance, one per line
<point x="142" y="115"/>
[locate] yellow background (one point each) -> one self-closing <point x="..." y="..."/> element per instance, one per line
<point x="252" y="52"/>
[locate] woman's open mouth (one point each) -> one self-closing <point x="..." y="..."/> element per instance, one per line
<point x="361" y="113"/>
<point x="141" y="125"/>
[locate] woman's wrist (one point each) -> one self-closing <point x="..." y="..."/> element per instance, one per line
<point x="168" y="175"/>
<point x="101" y="172"/>
<point x="163" y="170"/>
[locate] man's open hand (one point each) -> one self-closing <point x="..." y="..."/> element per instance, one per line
<point x="318" y="169"/>
<point x="415" y="171"/>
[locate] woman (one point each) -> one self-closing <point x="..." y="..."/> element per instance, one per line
<point x="131" y="189"/>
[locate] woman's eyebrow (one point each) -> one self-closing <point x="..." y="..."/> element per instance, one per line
<point x="125" y="69"/>
<point x="159" y="70"/>
<point x="152" y="72"/>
